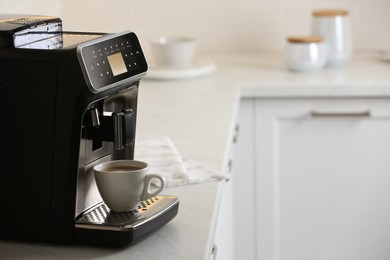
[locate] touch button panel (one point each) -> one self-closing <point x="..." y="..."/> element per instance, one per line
<point x="111" y="59"/>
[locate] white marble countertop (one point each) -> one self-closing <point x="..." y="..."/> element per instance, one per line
<point x="265" y="75"/>
<point x="198" y="114"/>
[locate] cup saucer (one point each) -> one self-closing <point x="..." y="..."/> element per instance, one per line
<point x="195" y="69"/>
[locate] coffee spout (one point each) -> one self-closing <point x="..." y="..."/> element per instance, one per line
<point x="124" y="128"/>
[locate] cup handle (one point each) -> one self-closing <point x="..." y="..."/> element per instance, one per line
<point x="148" y="181"/>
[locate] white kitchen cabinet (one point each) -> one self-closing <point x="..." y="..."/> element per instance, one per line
<point x="244" y="188"/>
<point x="223" y="247"/>
<point x="321" y="169"/>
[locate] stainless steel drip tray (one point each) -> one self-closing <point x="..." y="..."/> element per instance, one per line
<point x="99" y="216"/>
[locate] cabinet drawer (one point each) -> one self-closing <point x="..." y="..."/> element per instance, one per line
<point x="326" y="108"/>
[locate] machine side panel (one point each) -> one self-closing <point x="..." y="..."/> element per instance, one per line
<point x="72" y="100"/>
<point x="27" y="108"/>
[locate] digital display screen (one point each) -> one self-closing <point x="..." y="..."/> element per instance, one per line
<point x="117" y="64"/>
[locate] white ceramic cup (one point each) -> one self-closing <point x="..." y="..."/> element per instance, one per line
<point x="123" y="184"/>
<point x="173" y="50"/>
<point x="305" y="54"/>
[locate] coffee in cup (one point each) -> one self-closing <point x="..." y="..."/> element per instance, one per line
<point x="123" y="184"/>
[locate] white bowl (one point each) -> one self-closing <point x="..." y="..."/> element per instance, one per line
<point x="173" y="50"/>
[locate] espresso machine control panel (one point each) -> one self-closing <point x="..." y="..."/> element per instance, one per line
<point x="110" y="60"/>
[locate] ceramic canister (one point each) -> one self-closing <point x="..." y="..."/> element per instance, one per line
<point x="308" y="53"/>
<point x="334" y="26"/>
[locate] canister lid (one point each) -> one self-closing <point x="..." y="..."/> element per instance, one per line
<point x="305" y="39"/>
<point x="330" y="12"/>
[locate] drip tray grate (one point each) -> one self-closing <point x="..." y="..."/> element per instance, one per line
<point x="99" y="216"/>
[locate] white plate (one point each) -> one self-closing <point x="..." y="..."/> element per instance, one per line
<point x="180" y="72"/>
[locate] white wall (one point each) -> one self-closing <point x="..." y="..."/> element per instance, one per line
<point x="219" y="25"/>
<point x="45" y="7"/>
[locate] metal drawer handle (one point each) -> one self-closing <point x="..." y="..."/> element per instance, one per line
<point x="340" y="114"/>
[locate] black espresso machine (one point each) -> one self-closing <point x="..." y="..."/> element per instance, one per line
<point x="65" y="109"/>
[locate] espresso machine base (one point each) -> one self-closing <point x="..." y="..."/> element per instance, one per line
<point x="100" y="226"/>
